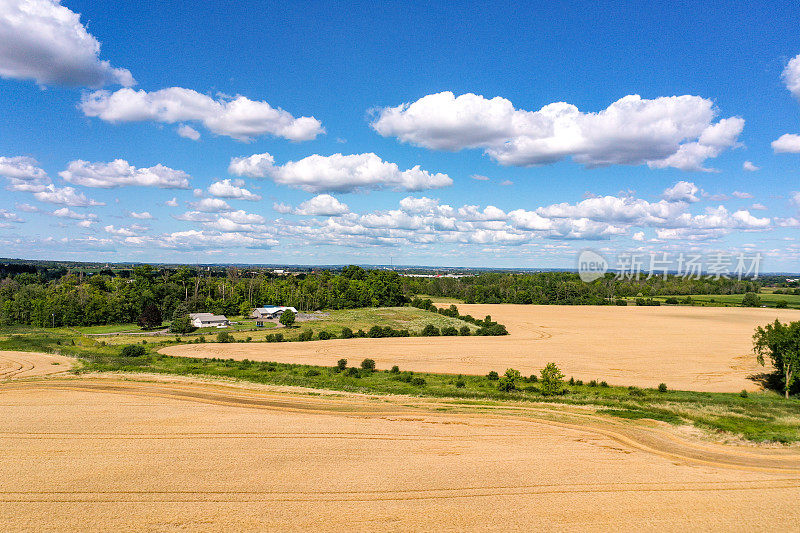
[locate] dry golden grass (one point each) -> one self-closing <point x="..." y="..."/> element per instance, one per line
<point x="15" y="365"/>
<point x="105" y="454"/>
<point x="690" y="348"/>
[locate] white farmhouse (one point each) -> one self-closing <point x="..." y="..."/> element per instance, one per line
<point x="270" y="313"/>
<point x="209" y="320"/>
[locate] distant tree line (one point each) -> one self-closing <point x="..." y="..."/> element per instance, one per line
<point x="566" y="288"/>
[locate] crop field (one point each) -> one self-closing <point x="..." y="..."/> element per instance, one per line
<point x="688" y="348"/>
<point x="768" y="299"/>
<point x="112" y="454"/>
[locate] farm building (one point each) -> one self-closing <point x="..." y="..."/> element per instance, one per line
<point x="208" y="320"/>
<point x="270" y="313"/>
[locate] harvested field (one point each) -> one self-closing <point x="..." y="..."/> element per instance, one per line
<point x="106" y="454"/>
<point x="689" y="348"/>
<point x="15" y="365"/>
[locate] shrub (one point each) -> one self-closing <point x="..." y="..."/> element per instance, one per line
<point x="395" y="369"/>
<point x="508" y="382"/>
<point x="353" y="372"/>
<point x="751" y="299"/>
<point x="493" y="376"/>
<point x="368" y="364"/>
<point x="533" y="378"/>
<point x="201" y="339"/>
<point x="604" y="384"/>
<point x="341" y="364"/>
<point x="464" y="331"/>
<point x="621" y="302"/>
<point x="347" y="333"/>
<point x="781" y="304"/>
<point x="579" y="382"/>
<point x="324" y="335"/>
<point x="593" y="383"/>
<point x="311" y="372"/>
<point x="449" y="331"/>
<point x="662" y="387"/>
<point x="132" y="350"/>
<point x="375" y="332"/>
<point x="181" y="324"/>
<point x="248" y="339"/>
<point x="635" y="391"/>
<point x="418" y="381"/>
<point x="430" y="331"/>
<point x="460" y="383"/>
<point x="671" y="300"/>
<point x="571" y="381"/>
<point x="743" y="394"/>
<point x="305" y="335"/>
<point x="360" y="334"/>
<point x="552" y="379"/>
<point x="224" y="336"/>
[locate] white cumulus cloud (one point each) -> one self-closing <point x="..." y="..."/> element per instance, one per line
<point x="788" y="143"/>
<point x="749" y="166"/>
<point x="683" y="191"/>
<point x="791" y="76"/>
<point x="339" y="173"/>
<point x="23" y="174"/>
<point x="44" y="41"/>
<point x="119" y="173"/>
<point x="676" y="131"/>
<point x="232" y="189"/>
<point x="322" y="205"/>
<point x="237" y="117"/>
<point x="188" y="132"/>
<point x="65" y="196"/>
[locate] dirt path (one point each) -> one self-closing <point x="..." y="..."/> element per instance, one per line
<point x="690" y="348"/>
<point x="15" y="365"/>
<point x="91" y="454"/>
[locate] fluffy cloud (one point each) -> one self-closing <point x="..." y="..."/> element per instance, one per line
<point x="119" y="173"/>
<point x="23" y="174"/>
<point x="675" y="131"/>
<point x="238" y="117"/>
<point x="66" y="212"/>
<point x="339" y="173"/>
<point x="144" y="215"/>
<point x="788" y="143"/>
<point x="44" y="41"/>
<point x="235" y="189"/>
<point x="28" y="208"/>
<point x="749" y="166"/>
<point x="65" y="196"/>
<point x="211" y="205"/>
<point x="322" y="205"/>
<point x="791" y="76"/>
<point x="171" y="203"/>
<point x="683" y="191"/>
<point x="188" y="132"/>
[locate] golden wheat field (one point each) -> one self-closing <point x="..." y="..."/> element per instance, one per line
<point x="103" y="453"/>
<point x="690" y="348"/>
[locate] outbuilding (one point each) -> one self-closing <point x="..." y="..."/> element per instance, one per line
<point x="209" y="320"/>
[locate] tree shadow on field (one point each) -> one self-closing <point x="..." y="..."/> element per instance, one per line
<point x="773" y="381"/>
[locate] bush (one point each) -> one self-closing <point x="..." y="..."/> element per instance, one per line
<point x="375" y="332"/>
<point x="341" y="364"/>
<point x="181" y="324"/>
<point x="360" y="334"/>
<point x="571" y="381"/>
<point x="635" y="391"/>
<point x="464" y="331"/>
<point x="751" y="299"/>
<point x="248" y="338"/>
<point x="305" y="335"/>
<point x="311" y="372"/>
<point x="460" y="383"/>
<point x="368" y="364"/>
<point x="347" y="333"/>
<point x="533" y="378"/>
<point x="493" y="376"/>
<point x="395" y="369"/>
<point x="449" y="331"/>
<point x="418" y="381"/>
<point x="781" y="304"/>
<point x="133" y="350"/>
<point x="430" y="331"/>
<point x="508" y="382"/>
<point x="353" y="372"/>
<point x="662" y="387"/>
<point x="324" y="335"/>
<point x="579" y="382"/>
<point x="671" y="300"/>
<point x="604" y="384"/>
<point x="743" y="394"/>
<point x="552" y="379"/>
<point x="224" y="336"/>
<point x="621" y="302"/>
<point x="593" y="383"/>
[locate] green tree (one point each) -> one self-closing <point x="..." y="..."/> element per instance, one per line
<point x="368" y="364"/>
<point x="133" y="350"/>
<point x="552" y="379"/>
<point x="781" y="343"/>
<point x="508" y="381"/>
<point x="287" y="318"/>
<point x="751" y="299"/>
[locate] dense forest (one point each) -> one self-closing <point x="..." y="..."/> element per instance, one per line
<point x="57" y="295"/>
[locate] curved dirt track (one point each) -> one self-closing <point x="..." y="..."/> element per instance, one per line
<point x="15" y="365"/>
<point x="91" y="453"/>
<point x="689" y="348"/>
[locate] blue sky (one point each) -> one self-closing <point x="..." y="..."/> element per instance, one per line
<point x="715" y="90"/>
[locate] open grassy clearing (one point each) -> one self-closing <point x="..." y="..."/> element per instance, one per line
<point x="763" y="416"/>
